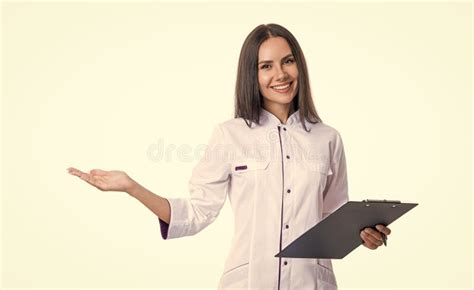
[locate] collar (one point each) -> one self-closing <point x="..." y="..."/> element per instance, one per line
<point x="268" y="119"/>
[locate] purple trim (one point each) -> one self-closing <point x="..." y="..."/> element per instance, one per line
<point x="164" y="229"/>
<point x="241" y="167"/>
<point x="282" y="198"/>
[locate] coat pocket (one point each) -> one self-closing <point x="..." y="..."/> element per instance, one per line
<point x="320" y="166"/>
<point x="325" y="275"/>
<point x="243" y="166"/>
<point x="235" y="278"/>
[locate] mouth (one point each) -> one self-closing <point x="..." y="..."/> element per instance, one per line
<point x="282" y="89"/>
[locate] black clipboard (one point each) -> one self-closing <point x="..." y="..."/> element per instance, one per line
<point x="339" y="233"/>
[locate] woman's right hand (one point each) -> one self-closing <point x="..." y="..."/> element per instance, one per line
<point x="113" y="180"/>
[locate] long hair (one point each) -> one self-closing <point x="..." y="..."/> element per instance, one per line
<point x="248" y="99"/>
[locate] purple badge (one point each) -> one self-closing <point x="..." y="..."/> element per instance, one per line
<point x="241" y="167"/>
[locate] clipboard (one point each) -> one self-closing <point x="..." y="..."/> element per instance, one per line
<point x="339" y="233"/>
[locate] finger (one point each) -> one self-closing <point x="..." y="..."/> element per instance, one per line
<point x="365" y="238"/>
<point x="94" y="181"/>
<point x="74" y="171"/>
<point x="84" y="176"/>
<point x="368" y="241"/>
<point x="383" y="229"/>
<point x="369" y="245"/>
<point x="371" y="239"/>
<point x="71" y="169"/>
<point x="100" y="183"/>
<point x="374" y="234"/>
<point x="98" y="172"/>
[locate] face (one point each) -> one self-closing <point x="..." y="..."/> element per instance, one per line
<point x="276" y="69"/>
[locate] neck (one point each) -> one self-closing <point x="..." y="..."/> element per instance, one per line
<point x="282" y="112"/>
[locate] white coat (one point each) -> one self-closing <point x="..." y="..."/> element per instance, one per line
<point x="281" y="181"/>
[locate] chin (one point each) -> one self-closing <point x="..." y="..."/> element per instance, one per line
<point x="282" y="99"/>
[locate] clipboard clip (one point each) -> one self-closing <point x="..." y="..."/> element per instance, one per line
<point x="381" y="200"/>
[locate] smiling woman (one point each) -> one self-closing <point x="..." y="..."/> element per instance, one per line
<point x="277" y="76"/>
<point x="270" y="60"/>
<point x="293" y="178"/>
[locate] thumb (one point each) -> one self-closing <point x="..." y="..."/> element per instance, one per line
<point x="98" y="172"/>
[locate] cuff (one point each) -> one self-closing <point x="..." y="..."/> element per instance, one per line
<point x="164" y="229"/>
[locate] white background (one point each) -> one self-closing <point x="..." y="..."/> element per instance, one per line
<point x="100" y="85"/>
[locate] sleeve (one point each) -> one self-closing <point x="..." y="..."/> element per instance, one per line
<point x="336" y="191"/>
<point x="208" y="187"/>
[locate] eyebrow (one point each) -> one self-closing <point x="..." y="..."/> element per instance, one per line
<point x="270" y="61"/>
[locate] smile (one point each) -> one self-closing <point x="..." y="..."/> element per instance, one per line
<point x="282" y="88"/>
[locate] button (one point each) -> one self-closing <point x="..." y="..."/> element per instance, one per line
<point x="289" y="190"/>
<point x="285" y="263"/>
<point x="287" y="226"/>
<point x="284" y="128"/>
<point x="287" y="157"/>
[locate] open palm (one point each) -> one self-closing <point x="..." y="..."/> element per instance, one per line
<point x="113" y="180"/>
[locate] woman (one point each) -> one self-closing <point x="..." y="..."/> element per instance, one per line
<point x="281" y="167"/>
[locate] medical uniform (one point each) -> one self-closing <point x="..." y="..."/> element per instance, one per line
<point x="281" y="181"/>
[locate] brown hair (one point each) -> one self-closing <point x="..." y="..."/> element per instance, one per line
<point x="248" y="99"/>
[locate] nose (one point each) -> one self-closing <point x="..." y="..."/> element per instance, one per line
<point x="281" y="74"/>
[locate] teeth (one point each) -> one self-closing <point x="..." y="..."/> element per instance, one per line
<point x="281" y="87"/>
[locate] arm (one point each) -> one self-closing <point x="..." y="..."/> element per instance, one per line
<point x="157" y="204"/>
<point x="336" y="194"/>
<point x="336" y="190"/>
<point x="207" y="193"/>
<point x="117" y="180"/>
<point x="178" y="217"/>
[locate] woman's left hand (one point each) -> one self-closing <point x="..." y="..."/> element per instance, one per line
<point x="373" y="238"/>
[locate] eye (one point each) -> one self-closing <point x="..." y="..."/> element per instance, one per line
<point x="290" y="60"/>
